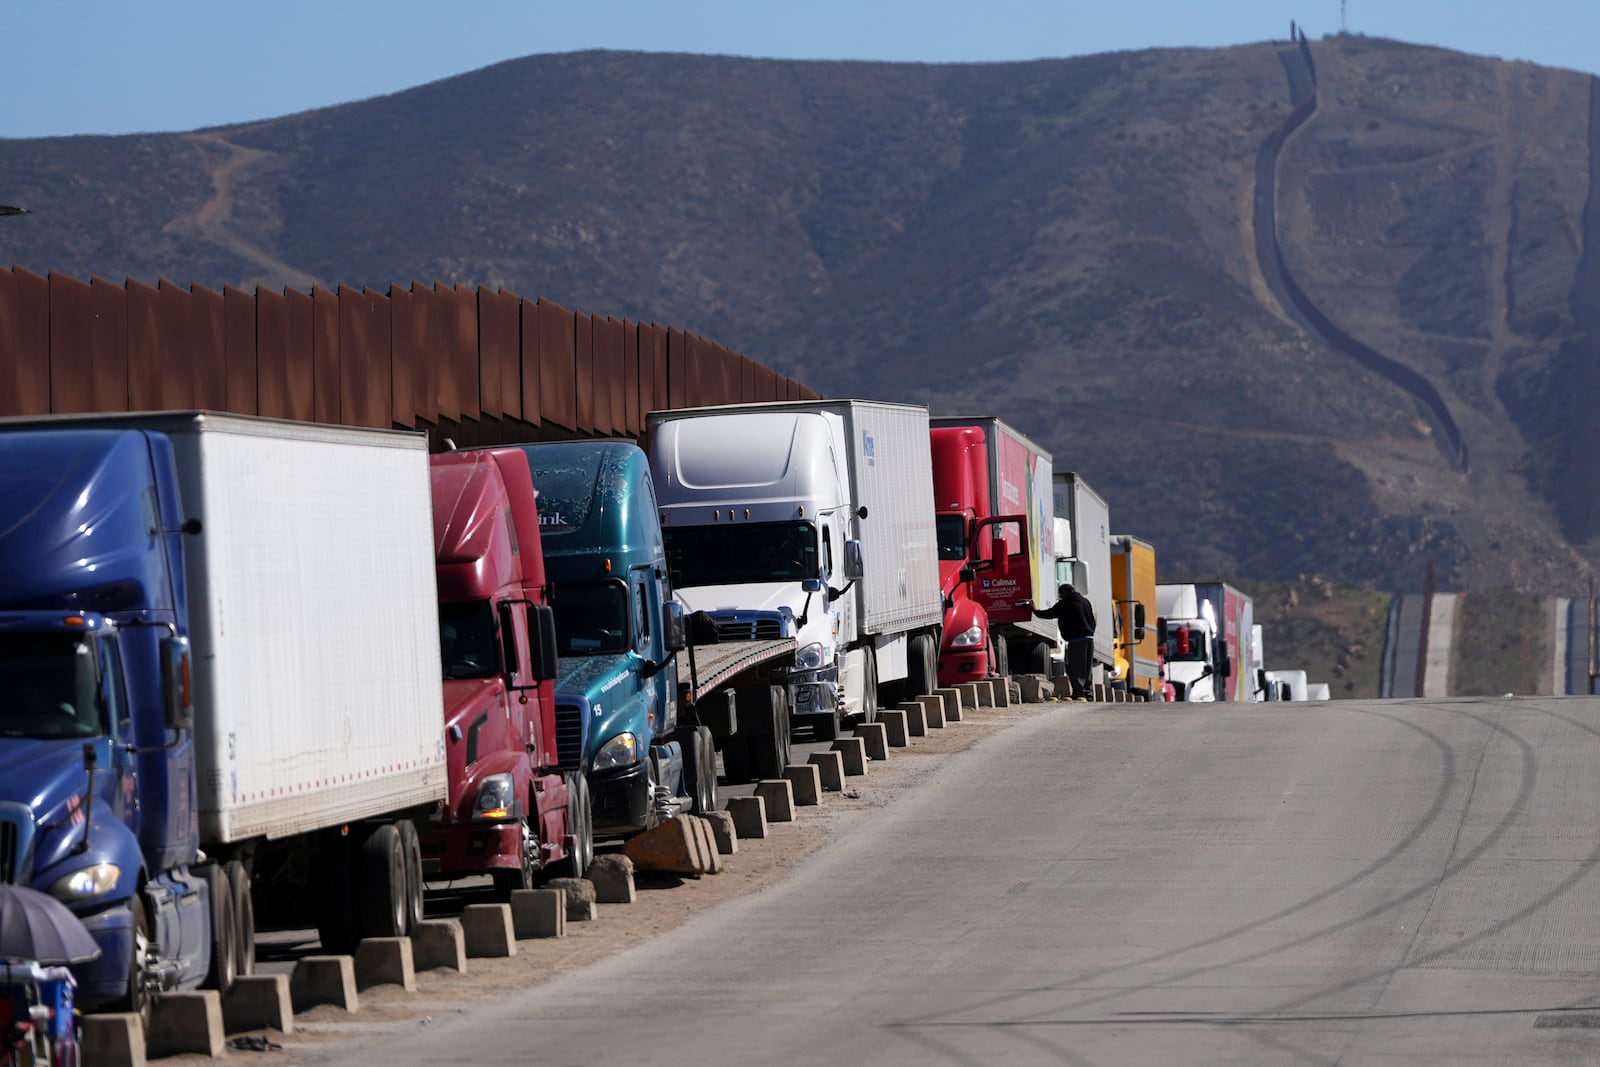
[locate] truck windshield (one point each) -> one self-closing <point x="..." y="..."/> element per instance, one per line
<point x="467" y="644"/>
<point x="738" y="555"/>
<point x="952" y="531"/>
<point x="48" y="687"/>
<point x="1186" y="644"/>
<point x="591" y="617"/>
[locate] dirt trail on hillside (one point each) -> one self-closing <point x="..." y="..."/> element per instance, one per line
<point x="230" y="166"/>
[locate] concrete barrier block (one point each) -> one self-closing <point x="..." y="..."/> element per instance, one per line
<point x="1033" y="688"/>
<point x="986" y="689"/>
<point x="830" y="770"/>
<point x="539" y="913"/>
<point x="916" y="719"/>
<point x="258" y="1002"/>
<point x="579" y="893"/>
<point x="487" y="930"/>
<point x="896" y="731"/>
<point x="807" y="784"/>
<point x="954" y="702"/>
<point x="437" y="943"/>
<point x="749" y="816"/>
<point x="933" y="710"/>
<point x="874" y="737"/>
<point x="779" y="796"/>
<point x="1099" y="691"/>
<point x="187" y="1022"/>
<point x="385" y="961"/>
<point x="1002" y="692"/>
<point x="722" y="831"/>
<point x="612" y="876"/>
<point x="1061" y="686"/>
<point x="852" y="755"/>
<point x="969" y="695"/>
<point x="708" y="844"/>
<point x="112" y="1040"/>
<point x="670" y="847"/>
<point x="324" y="980"/>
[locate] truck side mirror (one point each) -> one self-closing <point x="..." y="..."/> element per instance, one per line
<point x="178" y="700"/>
<point x="508" y="644"/>
<point x="542" y="641"/>
<point x="672" y="626"/>
<point x="1161" y="631"/>
<point x="854" y="568"/>
<point x="968" y="574"/>
<point x="1225" y="664"/>
<point x="1138" y="620"/>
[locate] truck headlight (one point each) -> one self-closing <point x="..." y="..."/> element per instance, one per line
<point x="87" y="882"/>
<point x="620" y="751"/>
<point x="496" y="795"/>
<point x="810" y="658"/>
<point x="968" y="638"/>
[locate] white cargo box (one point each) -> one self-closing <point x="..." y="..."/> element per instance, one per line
<point x="313" y="622"/>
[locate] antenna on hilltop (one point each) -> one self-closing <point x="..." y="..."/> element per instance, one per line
<point x="1343" y="27"/>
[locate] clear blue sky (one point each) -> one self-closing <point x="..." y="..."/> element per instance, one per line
<point x="122" y="66"/>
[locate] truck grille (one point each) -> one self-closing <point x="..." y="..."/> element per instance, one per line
<point x="569" y="737"/>
<point x="759" y="629"/>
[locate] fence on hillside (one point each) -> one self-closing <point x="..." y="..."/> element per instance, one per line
<point x="486" y="366"/>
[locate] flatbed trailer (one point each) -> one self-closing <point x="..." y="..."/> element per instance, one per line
<point x="713" y="666"/>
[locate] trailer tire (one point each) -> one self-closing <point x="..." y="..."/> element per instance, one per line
<point x="224" y="936"/>
<point x="770" y="747"/>
<point x="508" y="880"/>
<point x="736" y="758"/>
<point x="1036" y="658"/>
<point x="1000" y="660"/>
<point x="580" y="824"/>
<point x="702" y="773"/>
<point x="381" y="884"/>
<point x="244" y="917"/>
<point x="411" y="846"/>
<point x="922" y="667"/>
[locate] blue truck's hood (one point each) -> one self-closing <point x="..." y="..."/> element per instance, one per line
<point x="49" y="778"/>
<point x="608" y="687"/>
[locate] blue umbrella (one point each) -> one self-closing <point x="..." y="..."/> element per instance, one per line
<point x="37" y="926"/>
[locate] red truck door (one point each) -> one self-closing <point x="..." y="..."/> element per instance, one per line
<point x="1003" y="576"/>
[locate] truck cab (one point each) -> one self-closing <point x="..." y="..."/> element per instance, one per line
<point x="617" y="634"/>
<point x="1196" y="661"/>
<point x="507" y="813"/>
<point x="96" y="757"/>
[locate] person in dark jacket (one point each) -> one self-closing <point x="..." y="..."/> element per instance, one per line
<point x="1075" y="619"/>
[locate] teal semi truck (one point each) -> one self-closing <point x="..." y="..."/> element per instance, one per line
<point x="640" y="710"/>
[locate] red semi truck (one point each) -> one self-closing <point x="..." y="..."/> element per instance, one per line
<point x="992" y="497"/>
<point x="509" y="814"/>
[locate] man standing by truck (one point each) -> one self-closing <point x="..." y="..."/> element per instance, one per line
<point x="1075" y="619"/>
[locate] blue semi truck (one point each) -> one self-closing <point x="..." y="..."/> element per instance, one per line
<point x="219" y="684"/>
<point x="642" y="706"/>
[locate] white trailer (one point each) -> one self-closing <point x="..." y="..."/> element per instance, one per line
<point x="845" y="489"/>
<point x="314" y="624"/>
<point x="1087" y="557"/>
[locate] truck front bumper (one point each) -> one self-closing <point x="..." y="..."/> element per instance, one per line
<point x="620" y="799"/>
<point x="969" y="665"/>
<point x="105" y="978"/>
<point x="814" y="692"/>
<point x="458" y="850"/>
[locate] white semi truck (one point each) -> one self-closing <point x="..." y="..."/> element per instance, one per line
<point x="813" y="520"/>
<point x="1083" y="557"/>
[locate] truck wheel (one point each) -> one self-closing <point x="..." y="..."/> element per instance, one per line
<point x="224" y="936"/>
<point x="244" y="917"/>
<point x="411" y="846"/>
<point x="334" y="896"/>
<point x="580" y="824"/>
<point x="1000" y="663"/>
<point x="770" y="748"/>
<point x="137" y="1000"/>
<point x="922" y="667"/>
<point x="509" y="880"/>
<point x="381" y="907"/>
<point x="702" y="773"/>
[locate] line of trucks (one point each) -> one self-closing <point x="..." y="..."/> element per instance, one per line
<point x="253" y="667"/>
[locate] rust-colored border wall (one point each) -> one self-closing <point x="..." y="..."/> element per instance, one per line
<point x="482" y="365"/>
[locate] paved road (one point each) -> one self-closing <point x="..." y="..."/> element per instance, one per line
<point x="1349" y="882"/>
